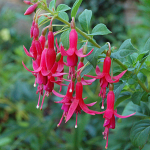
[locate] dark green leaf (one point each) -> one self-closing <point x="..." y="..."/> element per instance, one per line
<point x="52" y="4"/>
<point x="94" y="55"/>
<point x="63" y="7"/>
<point x="123" y="96"/>
<point x="119" y="89"/>
<point x="142" y="110"/>
<point x="64" y="16"/>
<point x="100" y="29"/>
<point x="140" y="133"/>
<point x="86" y="70"/>
<point x="84" y="19"/>
<point x="65" y="39"/>
<point x="75" y="8"/>
<point x="136" y="97"/>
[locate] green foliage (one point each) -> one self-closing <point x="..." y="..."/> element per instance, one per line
<point x="62" y="7"/>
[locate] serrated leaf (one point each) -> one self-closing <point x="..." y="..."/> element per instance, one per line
<point x="142" y="110"/>
<point x="42" y="19"/>
<point x="63" y="7"/>
<point x="65" y="39"/>
<point x="94" y="55"/>
<point x="140" y="133"/>
<point x="100" y="29"/>
<point x="75" y="8"/>
<point x="86" y="70"/>
<point x="52" y="4"/>
<point x="64" y="16"/>
<point x="84" y="19"/>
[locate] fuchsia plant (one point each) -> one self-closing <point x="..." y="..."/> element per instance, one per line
<point x="48" y="69"/>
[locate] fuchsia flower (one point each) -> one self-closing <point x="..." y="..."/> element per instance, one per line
<point x="31" y="9"/>
<point x="110" y="113"/>
<point x="66" y="101"/>
<point x="104" y="77"/>
<point x="28" y="2"/>
<point x="72" y="53"/>
<point x="78" y="104"/>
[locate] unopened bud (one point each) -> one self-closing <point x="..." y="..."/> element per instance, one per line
<point x="58" y="56"/>
<point x="28" y="2"/>
<point x="31" y="9"/>
<point x="85" y="49"/>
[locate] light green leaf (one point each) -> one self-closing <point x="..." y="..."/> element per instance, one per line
<point x="147" y="46"/>
<point x="84" y="19"/>
<point x="86" y="70"/>
<point x="136" y="97"/>
<point x="52" y="4"/>
<point x="64" y="16"/>
<point x="42" y="19"/>
<point x="75" y="8"/>
<point x="140" y="133"/>
<point x="100" y="29"/>
<point x="63" y="7"/>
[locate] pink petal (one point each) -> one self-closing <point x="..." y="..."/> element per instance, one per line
<point x="97" y="70"/>
<point x="35" y="65"/>
<point x="35" y="71"/>
<point x="87" y="82"/>
<point x="26" y="51"/>
<point x="91" y="104"/>
<point x="85" y="108"/>
<point x="57" y="94"/>
<point x="63" y="52"/>
<point x="72" y="109"/>
<point x="120" y="75"/>
<point x="120" y="116"/>
<point x="109" y="80"/>
<point x="81" y="54"/>
<point x="59" y="74"/>
<point x="57" y="46"/>
<point x="71" y="51"/>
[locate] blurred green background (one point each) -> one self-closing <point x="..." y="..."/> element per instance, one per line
<point x="22" y="126"/>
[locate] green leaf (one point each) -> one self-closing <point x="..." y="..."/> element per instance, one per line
<point x="125" y="49"/>
<point x="52" y="4"/>
<point x="140" y="133"/>
<point x="142" y="56"/>
<point x="5" y="141"/>
<point x="136" y="97"/>
<point x="141" y="111"/>
<point x="75" y="8"/>
<point x="123" y="96"/>
<point x="119" y="89"/>
<point x="63" y="7"/>
<point x="94" y="55"/>
<point x="100" y="29"/>
<point x="86" y="70"/>
<point x="145" y="71"/>
<point x="147" y="46"/>
<point x="42" y="19"/>
<point x="84" y="19"/>
<point x="65" y="39"/>
<point x="64" y="16"/>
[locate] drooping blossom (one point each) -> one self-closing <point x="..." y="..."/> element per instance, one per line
<point x="66" y="101"/>
<point x="104" y="77"/>
<point x="73" y="53"/>
<point x="110" y="113"/>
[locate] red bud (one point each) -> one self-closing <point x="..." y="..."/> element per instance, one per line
<point x="31" y="9"/>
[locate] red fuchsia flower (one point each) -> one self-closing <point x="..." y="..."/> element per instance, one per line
<point x="72" y="53"/>
<point x="35" y="31"/>
<point x="66" y="101"/>
<point x="32" y="28"/>
<point x="78" y="104"/>
<point x="31" y="9"/>
<point x="110" y="113"/>
<point x="104" y="77"/>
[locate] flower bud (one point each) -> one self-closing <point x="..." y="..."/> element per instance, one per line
<point x="28" y="2"/>
<point x="35" y="31"/>
<point x="31" y="9"/>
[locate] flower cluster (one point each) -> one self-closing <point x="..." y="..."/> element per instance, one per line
<point x="48" y="69"/>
